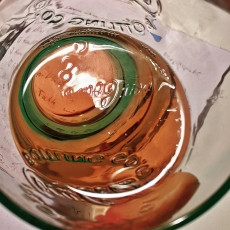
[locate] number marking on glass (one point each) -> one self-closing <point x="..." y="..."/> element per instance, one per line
<point x="152" y="7"/>
<point x="52" y="18"/>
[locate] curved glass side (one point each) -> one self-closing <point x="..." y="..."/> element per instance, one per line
<point x="201" y="209"/>
<point x="20" y="212"/>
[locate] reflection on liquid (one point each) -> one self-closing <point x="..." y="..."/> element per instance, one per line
<point x="100" y="114"/>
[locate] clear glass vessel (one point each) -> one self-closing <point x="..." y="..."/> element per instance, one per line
<point x="114" y="114"/>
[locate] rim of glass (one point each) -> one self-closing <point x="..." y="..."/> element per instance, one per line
<point x="181" y="221"/>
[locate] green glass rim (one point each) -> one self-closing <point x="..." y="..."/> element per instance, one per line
<point x="201" y="209"/>
<point x="45" y="126"/>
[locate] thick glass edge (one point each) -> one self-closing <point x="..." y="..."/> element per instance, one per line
<point x="201" y="209"/>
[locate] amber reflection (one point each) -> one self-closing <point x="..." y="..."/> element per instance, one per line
<point x="141" y="145"/>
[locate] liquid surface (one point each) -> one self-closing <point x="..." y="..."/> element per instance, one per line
<point x="100" y="113"/>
